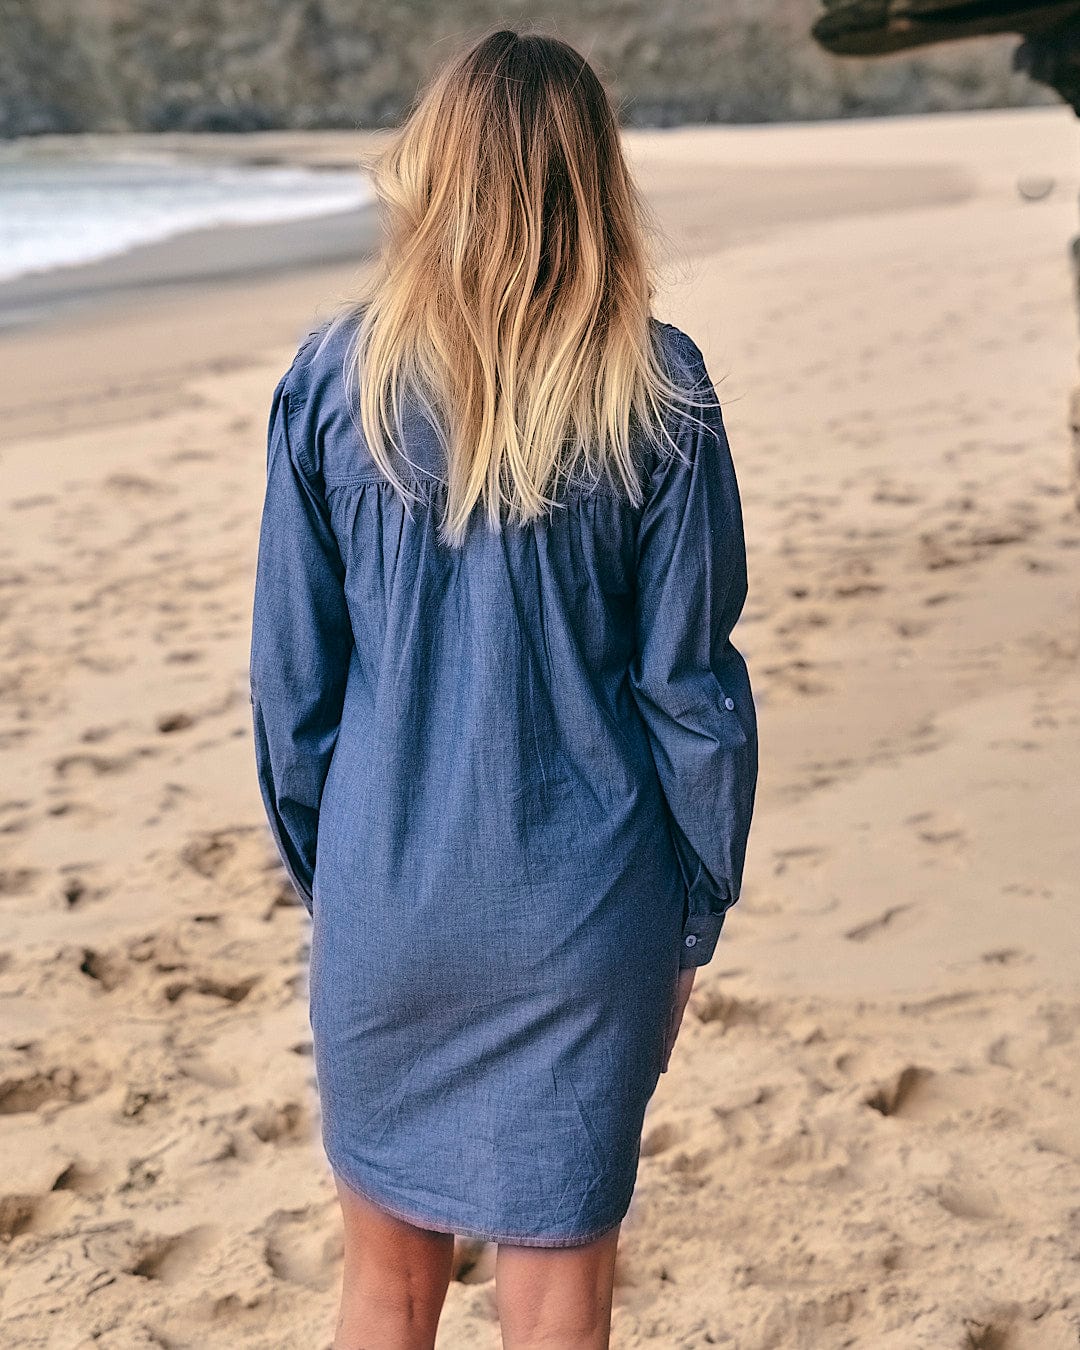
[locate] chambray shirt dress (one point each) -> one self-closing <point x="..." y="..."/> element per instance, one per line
<point x="513" y="787"/>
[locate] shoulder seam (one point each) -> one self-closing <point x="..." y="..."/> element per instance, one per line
<point x="297" y="362"/>
<point x="298" y="456"/>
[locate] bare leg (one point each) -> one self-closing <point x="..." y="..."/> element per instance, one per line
<point x="395" y="1281"/>
<point x="556" y="1298"/>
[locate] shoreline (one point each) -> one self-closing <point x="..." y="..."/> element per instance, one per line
<point x="207" y="255"/>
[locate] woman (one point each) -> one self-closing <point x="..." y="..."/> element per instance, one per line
<point x="507" y="749"/>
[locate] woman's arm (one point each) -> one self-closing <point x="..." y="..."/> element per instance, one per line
<point x="301" y="642"/>
<point x="690" y="682"/>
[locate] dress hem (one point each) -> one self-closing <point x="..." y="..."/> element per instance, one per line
<point x="441" y="1225"/>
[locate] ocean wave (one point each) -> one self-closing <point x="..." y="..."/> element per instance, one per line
<point x="59" y="213"/>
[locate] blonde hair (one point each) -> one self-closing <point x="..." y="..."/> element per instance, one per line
<point x="513" y="292"/>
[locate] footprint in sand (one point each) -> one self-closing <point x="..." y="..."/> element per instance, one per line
<point x="169" y="1258"/>
<point x="1062" y="1022"/>
<point x="1004" y="956"/>
<point x="171" y="796"/>
<point x="853" y="586"/>
<point x="133" y="484"/>
<point x="156" y="965"/>
<point x="969" y="1200"/>
<point x="689" y="1165"/>
<point x="228" y="988"/>
<point x="76" y="890"/>
<point x="936" y="553"/>
<point x="177" y="721"/>
<point x="68" y="808"/>
<point x="895" y="494"/>
<point x="803" y="621"/>
<point x="710" y="1006"/>
<point x="990" y="1334"/>
<point x="40" y="1087"/>
<point x="797" y="676"/>
<point x="944" y="835"/>
<point x="209" y="854"/>
<point x="82" y="766"/>
<point x="285" y="1124"/>
<point x="303" y="1247"/>
<point x="803" y="856"/>
<point x="903" y="1093"/>
<point x="806" y="1152"/>
<point x="17" y="1213"/>
<point x="24" y="1213"/>
<point x="473" y="1261"/>
<point x="16" y="881"/>
<point x="284" y="898"/>
<point x="82" y="1179"/>
<point x="911" y="628"/>
<point x="659" y="1138"/>
<point x="104" y="968"/>
<point x="139" y="1102"/>
<point x="873" y="927"/>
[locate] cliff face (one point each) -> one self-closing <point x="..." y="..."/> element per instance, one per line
<point x="202" y="65"/>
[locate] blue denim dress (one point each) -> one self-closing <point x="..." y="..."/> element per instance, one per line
<point x="512" y="785"/>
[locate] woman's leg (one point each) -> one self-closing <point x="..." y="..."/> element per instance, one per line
<point x="556" y="1298"/>
<point x="395" y="1281"/>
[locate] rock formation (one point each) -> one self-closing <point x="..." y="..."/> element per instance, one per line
<point x="235" y="65"/>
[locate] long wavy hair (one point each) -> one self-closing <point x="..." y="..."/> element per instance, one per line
<point x="513" y="293"/>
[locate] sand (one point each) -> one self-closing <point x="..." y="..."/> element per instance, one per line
<point x="869" y="1134"/>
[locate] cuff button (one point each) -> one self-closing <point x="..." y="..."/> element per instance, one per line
<point x="691" y="939"/>
<point x="729" y="703"/>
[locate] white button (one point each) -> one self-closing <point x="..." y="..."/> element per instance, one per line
<point x="729" y="703"/>
<point x="690" y="939"/>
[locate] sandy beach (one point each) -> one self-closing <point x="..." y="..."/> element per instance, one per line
<point x="869" y="1134"/>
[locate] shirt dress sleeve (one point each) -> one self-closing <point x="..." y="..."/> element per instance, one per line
<point x="301" y="641"/>
<point x="689" y="681"/>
